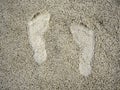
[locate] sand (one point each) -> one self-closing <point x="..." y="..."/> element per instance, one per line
<point x="60" y="70"/>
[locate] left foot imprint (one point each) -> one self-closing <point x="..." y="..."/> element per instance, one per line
<point x="37" y="27"/>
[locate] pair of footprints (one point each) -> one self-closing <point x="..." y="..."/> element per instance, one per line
<point x="81" y="35"/>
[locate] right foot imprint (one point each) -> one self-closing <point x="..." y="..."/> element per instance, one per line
<point x="85" y="39"/>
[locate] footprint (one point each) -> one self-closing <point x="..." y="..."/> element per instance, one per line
<point x="38" y="25"/>
<point x="85" y="39"/>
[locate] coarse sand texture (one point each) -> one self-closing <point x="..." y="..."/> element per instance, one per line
<point x="59" y="44"/>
